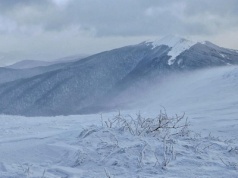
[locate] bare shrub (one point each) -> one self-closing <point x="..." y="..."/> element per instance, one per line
<point x="229" y="164"/>
<point x="162" y="125"/>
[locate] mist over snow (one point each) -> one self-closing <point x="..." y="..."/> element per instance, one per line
<point x="207" y="96"/>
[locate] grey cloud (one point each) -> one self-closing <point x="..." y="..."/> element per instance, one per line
<point x="126" y="18"/>
<point x="218" y="7"/>
<point x="11" y="5"/>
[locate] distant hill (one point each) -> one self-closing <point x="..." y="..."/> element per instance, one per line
<point x="30" y="68"/>
<point x="26" y="64"/>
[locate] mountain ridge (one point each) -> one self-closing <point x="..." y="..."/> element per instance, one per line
<point x="85" y="85"/>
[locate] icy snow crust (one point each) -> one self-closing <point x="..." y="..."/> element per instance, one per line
<point x="83" y="147"/>
<point x="177" y="45"/>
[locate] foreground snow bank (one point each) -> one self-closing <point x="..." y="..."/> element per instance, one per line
<point x="121" y="146"/>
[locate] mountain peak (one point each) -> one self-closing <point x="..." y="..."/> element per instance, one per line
<point x="177" y="45"/>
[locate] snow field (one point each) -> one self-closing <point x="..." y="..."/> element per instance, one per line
<point x="87" y="147"/>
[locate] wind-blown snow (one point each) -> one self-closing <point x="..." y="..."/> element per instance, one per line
<point x="177" y="45"/>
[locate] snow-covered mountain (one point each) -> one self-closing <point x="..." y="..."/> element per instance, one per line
<point x="177" y="45"/>
<point x="181" y="49"/>
<point x="86" y="85"/>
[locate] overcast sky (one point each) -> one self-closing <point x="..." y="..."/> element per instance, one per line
<point x="48" y="29"/>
